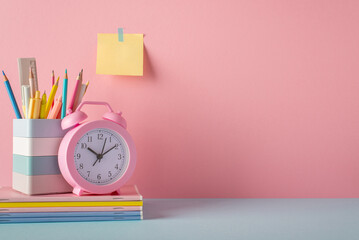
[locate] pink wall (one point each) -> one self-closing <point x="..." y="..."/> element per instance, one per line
<point x="239" y="98"/>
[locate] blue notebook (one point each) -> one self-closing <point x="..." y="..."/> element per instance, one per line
<point x="68" y="214"/>
<point x="67" y="219"/>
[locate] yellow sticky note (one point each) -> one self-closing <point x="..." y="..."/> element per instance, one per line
<point x="119" y="58"/>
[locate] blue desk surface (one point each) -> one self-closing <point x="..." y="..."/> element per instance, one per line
<point x="213" y="219"/>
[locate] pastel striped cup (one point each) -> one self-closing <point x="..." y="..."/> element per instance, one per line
<point x="35" y="148"/>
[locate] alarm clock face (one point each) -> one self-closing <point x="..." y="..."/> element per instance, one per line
<point x="101" y="156"/>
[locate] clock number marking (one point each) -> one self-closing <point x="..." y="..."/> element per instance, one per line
<point x="98" y="176"/>
<point x="83" y="145"/>
<point x="89" y="139"/>
<point x="116" y="166"/>
<point x="100" y="136"/>
<point x="119" y="156"/>
<point x="88" y="173"/>
<point x="78" y="156"/>
<point x="116" y="146"/>
<point x="81" y="166"/>
<point x="109" y="174"/>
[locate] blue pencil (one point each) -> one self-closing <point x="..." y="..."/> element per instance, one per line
<point x="64" y="96"/>
<point x="12" y="97"/>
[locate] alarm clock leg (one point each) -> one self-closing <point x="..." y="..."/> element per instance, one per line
<point x="117" y="192"/>
<point x="78" y="191"/>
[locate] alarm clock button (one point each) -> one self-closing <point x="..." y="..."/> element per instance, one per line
<point x="73" y="119"/>
<point x="116" y="118"/>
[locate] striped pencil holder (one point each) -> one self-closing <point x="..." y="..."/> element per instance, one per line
<point x="35" y="147"/>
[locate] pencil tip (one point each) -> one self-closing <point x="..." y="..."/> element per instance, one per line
<point x="66" y="70"/>
<point x="3" y="72"/>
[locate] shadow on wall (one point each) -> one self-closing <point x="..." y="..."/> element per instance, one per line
<point x="148" y="70"/>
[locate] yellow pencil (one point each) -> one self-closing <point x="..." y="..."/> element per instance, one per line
<point x="51" y="97"/>
<point x="43" y="106"/>
<point x="87" y="84"/>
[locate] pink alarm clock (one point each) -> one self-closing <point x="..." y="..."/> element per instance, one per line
<point x="96" y="157"/>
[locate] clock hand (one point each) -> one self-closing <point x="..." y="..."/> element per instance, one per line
<point x="95" y="162"/>
<point x="108" y="150"/>
<point x="99" y="156"/>
<point x="92" y="151"/>
<point x="103" y="147"/>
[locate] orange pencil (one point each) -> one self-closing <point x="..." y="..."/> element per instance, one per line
<point x="53" y="82"/>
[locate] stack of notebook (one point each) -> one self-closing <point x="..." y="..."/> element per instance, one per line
<point x="16" y="207"/>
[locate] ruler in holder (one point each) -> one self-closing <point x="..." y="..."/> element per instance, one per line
<point x="24" y="64"/>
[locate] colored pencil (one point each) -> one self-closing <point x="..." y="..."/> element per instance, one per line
<point x="53" y="78"/>
<point x="76" y="102"/>
<point x="82" y="94"/>
<point x="53" y="82"/>
<point x="74" y="95"/>
<point x="12" y="97"/>
<point x="32" y="83"/>
<point x="51" y="97"/>
<point x="64" y="95"/>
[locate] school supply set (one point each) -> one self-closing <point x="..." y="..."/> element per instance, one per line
<point x="16" y="207"/>
<point x="54" y="156"/>
<point x="37" y="132"/>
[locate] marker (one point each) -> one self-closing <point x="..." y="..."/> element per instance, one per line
<point x="30" y="113"/>
<point x="37" y="105"/>
<point x="11" y="96"/>
<point x="23" y="100"/>
<point x="43" y="106"/>
<point x="56" y="109"/>
<point x="26" y="90"/>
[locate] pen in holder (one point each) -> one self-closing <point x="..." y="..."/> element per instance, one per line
<point x="35" y="148"/>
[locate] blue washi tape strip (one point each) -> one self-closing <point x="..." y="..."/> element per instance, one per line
<point x="120" y="34"/>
